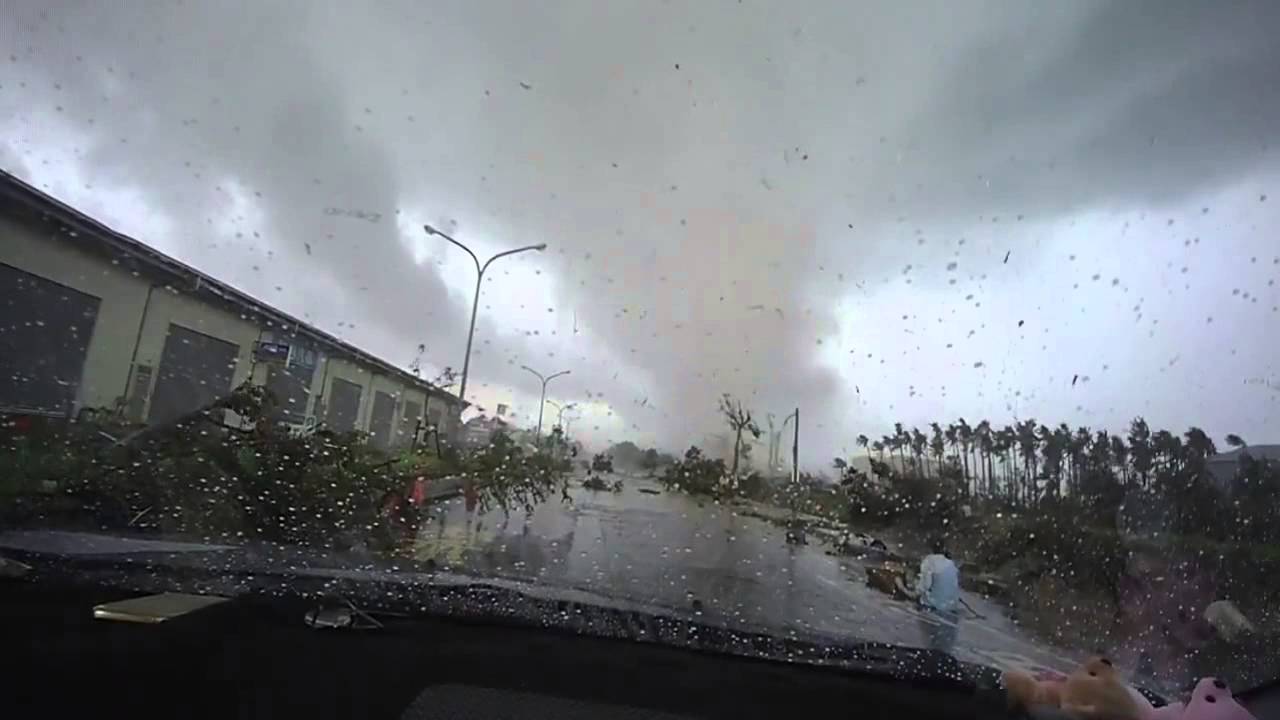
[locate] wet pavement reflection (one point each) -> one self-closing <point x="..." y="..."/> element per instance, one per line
<point x="672" y="551"/>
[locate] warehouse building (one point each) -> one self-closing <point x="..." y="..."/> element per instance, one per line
<point x="92" y="320"/>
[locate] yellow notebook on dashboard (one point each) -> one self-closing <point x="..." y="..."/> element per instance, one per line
<point x="154" y="608"/>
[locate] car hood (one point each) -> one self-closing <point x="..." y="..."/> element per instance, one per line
<point x="406" y="587"/>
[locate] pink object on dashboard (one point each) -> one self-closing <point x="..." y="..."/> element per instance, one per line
<point x="1211" y="700"/>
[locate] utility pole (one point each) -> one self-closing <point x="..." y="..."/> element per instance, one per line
<point x="795" y="450"/>
<point x="475" y="303"/>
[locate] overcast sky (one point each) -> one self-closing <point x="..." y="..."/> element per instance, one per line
<point x="876" y="212"/>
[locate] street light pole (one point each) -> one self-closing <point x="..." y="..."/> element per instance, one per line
<point x="543" y="401"/>
<point x="475" y="303"/>
<point x="560" y="413"/>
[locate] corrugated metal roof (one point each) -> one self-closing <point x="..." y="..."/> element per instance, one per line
<point x="1258" y="452"/>
<point x="150" y="261"/>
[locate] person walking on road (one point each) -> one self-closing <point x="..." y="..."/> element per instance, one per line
<point x="938" y="594"/>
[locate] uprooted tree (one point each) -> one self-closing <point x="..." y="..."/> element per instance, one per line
<point x="212" y="475"/>
<point x="740" y="420"/>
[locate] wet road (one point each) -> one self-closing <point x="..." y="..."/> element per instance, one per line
<point x="673" y="551"/>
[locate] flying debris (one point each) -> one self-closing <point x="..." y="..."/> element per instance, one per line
<point x="1006" y="256"/>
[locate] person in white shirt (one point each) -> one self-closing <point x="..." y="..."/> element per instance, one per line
<point x="938" y="593"/>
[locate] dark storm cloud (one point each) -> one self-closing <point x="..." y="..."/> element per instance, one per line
<point x="1138" y="103"/>
<point x="712" y="178"/>
<point x="264" y="126"/>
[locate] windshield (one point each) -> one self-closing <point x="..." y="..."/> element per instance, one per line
<point x="944" y="326"/>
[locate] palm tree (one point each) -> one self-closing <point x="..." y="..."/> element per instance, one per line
<point x="937" y="445"/>
<point x="919" y="444"/>
<point x="952" y="436"/>
<point x="1096" y="473"/>
<point x="1052" y="446"/>
<point x="863" y="441"/>
<point x="889" y="442"/>
<point x="1199" y="445"/>
<point x="1068" y="443"/>
<point x="878" y="446"/>
<point x="1026" y="433"/>
<point x="903" y="444"/>
<point x="901" y="439"/>
<point x="1100" y="454"/>
<point x="1120" y="454"/>
<point x="1236" y="441"/>
<point x="983" y="433"/>
<point x="1078" y="447"/>
<point x="1006" y="439"/>
<point x="965" y="434"/>
<point x="1168" y="447"/>
<point x="1140" y="448"/>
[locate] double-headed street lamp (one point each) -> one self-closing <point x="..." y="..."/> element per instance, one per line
<point x="475" y="304"/>
<point x="560" y="410"/>
<point x="543" y="401"/>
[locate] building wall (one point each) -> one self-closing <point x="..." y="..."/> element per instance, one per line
<point x="171" y="307"/>
<point x="337" y="367"/>
<point x="133" y="320"/>
<point x="384" y="384"/>
<point x="404" y="427"/>
<point x="29" y="246"/>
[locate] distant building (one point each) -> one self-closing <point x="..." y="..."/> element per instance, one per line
<point x="93" y="320"/>
<point x="478" y="431"/>
<point x="1223" y="465"/>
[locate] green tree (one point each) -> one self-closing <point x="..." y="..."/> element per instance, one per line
<point x="919" y="444"/>
<point x="1257" y="484"/>
<point x="695" y="474"/>
<point x="1027" y="445"/>
<point x="985" y="442"/>
<point x="1005" y="443"/>
<point x="1199" y="446"/>
<point x="900" y="443"/>
<point x="1166" y="449"/>
<point x="626" y="454"/>
<point x="1120" y="454"/>
<point x="1079" y="448"/>
<point x="1053" y="444"/>
<point x="937" y="445"/>
<point x="1097" y="456"/>
<point x="1140" y="452"/>
<point x="649" y="461"/>
<point x="964" y="434"/>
